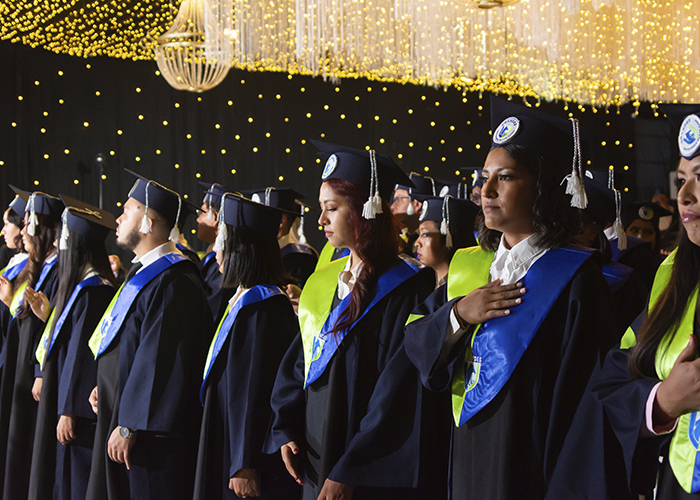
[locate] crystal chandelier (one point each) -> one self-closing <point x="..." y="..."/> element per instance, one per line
<point x="196" y="53"/>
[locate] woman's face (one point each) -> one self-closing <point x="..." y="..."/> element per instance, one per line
<point x="643" y="229"/>
<point x="507" y="196"/>
<point x="429" y="249"/>
<point x="9" y="231"/>
<point x="335" y="218"/>
<point x="689" y="197"/>
<point x="26" y="240"/>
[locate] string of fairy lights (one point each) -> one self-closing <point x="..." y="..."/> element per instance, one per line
<point x="595" y="52"/>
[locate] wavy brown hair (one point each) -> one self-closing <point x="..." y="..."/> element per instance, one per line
<point x="666" y="314"/>
<point x="376" y="243"/>
<point x="42" y="246"/>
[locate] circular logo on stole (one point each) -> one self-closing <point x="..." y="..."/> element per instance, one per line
<point x="424" y="211"/>
<point x="646" y="213"/>
<point x="331" y="163"/>
<point x="256" y="198"/>
<point x="444" y="191"/>
<point x="506" y="130"/>
<point x="689" y="136"/>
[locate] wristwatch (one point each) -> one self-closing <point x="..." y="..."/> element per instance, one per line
<point x="126" y="433"/>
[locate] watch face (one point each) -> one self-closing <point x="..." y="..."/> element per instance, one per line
<point x="125" y="432"/>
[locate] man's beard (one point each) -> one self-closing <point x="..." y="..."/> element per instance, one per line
<point x="131" y="240"/>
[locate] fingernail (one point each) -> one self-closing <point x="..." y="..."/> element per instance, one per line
<point x="507" y="311"/>
<point x="296" y="450"/>
<point x="518" y="301"/>
<point x="523" y="290"/>
<point x="519" y="284"/>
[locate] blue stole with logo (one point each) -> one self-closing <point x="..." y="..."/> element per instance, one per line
<point x="256" y="294"/>
<point x="497" y="346"/>
<point x="45" y="270"/>
<point x="314" y="311"/>
<point x="296" y="248"/>
<point x="116" y="312"/>
<point x="94" y="280"/>
<point x="12" y="272"/>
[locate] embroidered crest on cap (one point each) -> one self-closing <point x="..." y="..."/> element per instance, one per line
<point x="506" y="130"/>
<point x="424" y="211"/>
<point x="646" y="213"/>
<point x="444" y="191"/>
<point x="331" y="163"/>
<point x="689" y="136"/>
<point x="256" y="198"/>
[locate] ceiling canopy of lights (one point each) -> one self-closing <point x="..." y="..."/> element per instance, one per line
<point x="599" y="52"/>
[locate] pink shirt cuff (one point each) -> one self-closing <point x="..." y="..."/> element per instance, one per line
<point x="649" y="429"/>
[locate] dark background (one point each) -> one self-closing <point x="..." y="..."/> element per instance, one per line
<point x="263" y="121"/>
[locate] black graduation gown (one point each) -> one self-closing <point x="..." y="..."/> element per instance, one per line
<point x="19" y="372"/>
<point x="362" y="422"/>
<point x="217" y="297"/>
<point x="638" y="256"/>
<point x="237" y="403"/>
<point x="508" y="450"/>
<point x="299" y="265"/>
<point x="72" y="366"/>
<point x="148" y="379"/>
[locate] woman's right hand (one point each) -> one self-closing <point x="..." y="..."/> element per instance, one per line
<point x="680" y="392"/>
<point x="492" y="300"/>
<point x="6" y="291"/>
<point x="39" y="303"/>
<point x="289" y="452"/>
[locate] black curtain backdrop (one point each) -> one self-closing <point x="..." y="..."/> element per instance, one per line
<point x="57" y="113"/>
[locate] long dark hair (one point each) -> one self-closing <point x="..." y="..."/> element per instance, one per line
<point x="42" y="246"/>
<point x="74" y="262"/>
<point x="554" y="220"/>
<point x="376" y="243"/>
<point x="666" y="314"/>
<point x="17" y="220"/>
<point x="252" y="258"/>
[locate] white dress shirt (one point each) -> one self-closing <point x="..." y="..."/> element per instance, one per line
<point x="150" y="257"/>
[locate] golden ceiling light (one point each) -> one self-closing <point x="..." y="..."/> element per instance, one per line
<point x="196" y="53"/>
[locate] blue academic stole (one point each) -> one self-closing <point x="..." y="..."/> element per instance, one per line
<point x="296" y="248"/>
<point x="256" y="294"/>
<point x="616" y="275"/>
<point x="11" y="272"/>
<point x="116" y="312"/>
<point x="18" y="298"/>
<point x="207" y="258"/>
<point x="498" y="344"/>
<point x="48" y="338"/>
<point x="316" y="319"/>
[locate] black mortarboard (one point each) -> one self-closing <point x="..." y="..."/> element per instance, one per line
<point x="242" y="212"/>
<point x="424" y="184"/>
<point x="39" y="203"/>
<point x="686" y="120"/>
<point x="155" y="196"/>
<point x="557" y="139"/>
<point x="455" y="189"/>
<point x="214" y="192"/>
<point x="284" y="198"/>
<point x="644" y="210"/>
<point x="19" y="203"/>
<point x="455" y="217"/>
<point x="365" y="168"/>
<point x="85" y="220"/>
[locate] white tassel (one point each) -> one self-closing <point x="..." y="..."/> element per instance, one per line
<point x="410" y="210"/>
<point x="377" y="203"/>
<point x="443" y="227"/>
<point x="620" y="235"/>
<point x="368" y="211"/>
<point x="300" y="231"/>
<point x="210" y="215"/>
<point x="575" y="188"/>
<point x="175" y="231"/>
<point x="448" y="239"/>
<point x="373" y="205"/>
<point x="33" y="219"/>
<point x="145" y="224"/>
<point x="63" y="241"/>
<point x="222" y="235"/>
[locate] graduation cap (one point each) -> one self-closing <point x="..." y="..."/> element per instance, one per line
<point x="605" y="203"/>
<point x="86" y="220"/>
<point x="38" y="202"/>
<point x="456" y="218"/>
<point x="187" y="210"/>
<point x="557" y="139"/>
<point x="165" y="201"/>
<point x="686" y="119"/>
<point x="19" y="203"/>
<point x="644" y="210"/>
<point x="365" y="168"/>
<point x="213" y="192"/>
<point x="242" y="212"/>
<point x="284" y="198"/>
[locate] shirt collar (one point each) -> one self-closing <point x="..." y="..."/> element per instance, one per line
<point x="285" y="240"/>
<point x="511" y="265"/>
<point x="150" y="257"/>
<point x="346" y="282"/>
